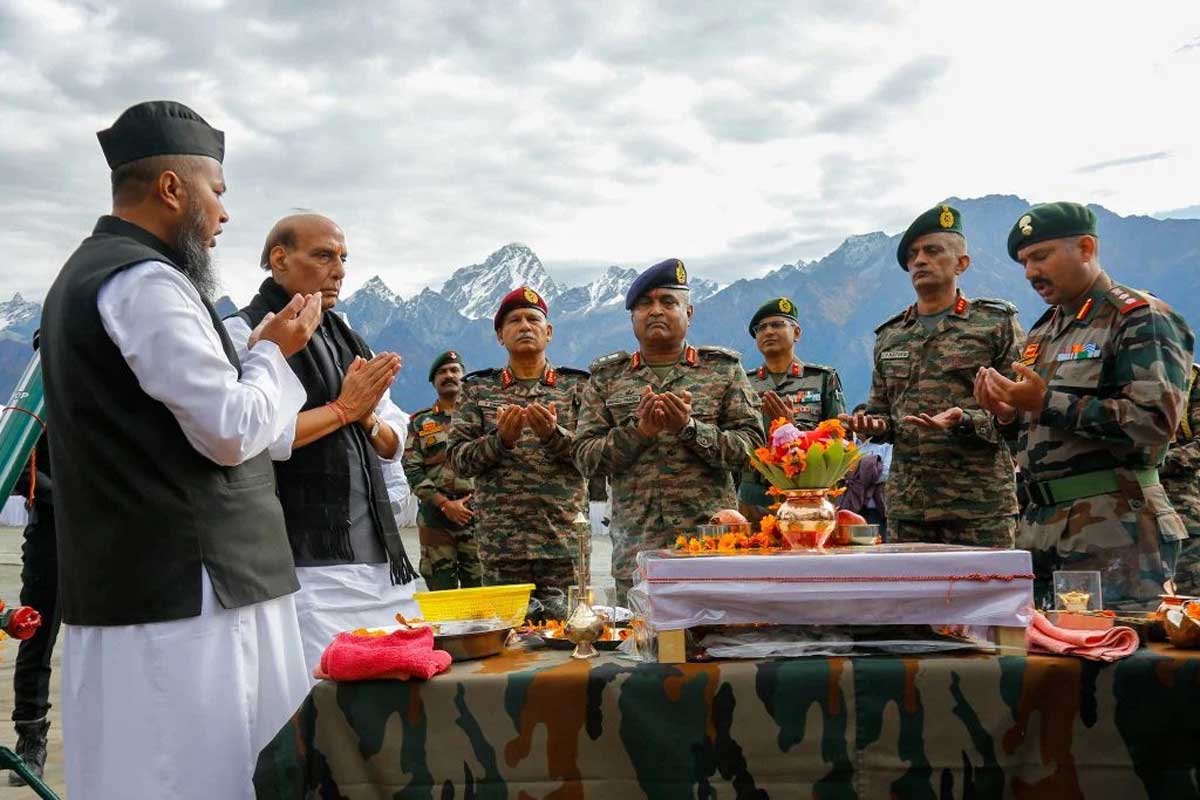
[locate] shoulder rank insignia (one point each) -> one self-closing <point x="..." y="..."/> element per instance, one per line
<point x="1085" y="309"/>
<point x="550" y="378"/>
<point x="795" y="370"/>
<point x="1126" y="300"/>
<point x="636" y="360"/>
<point x="506" y="377"/>
<point x="611" y="358"/>
<point x="690" y="356"/>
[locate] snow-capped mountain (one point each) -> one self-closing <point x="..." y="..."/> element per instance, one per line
<point x="19" y="317"/>
<point x="476" y="290"/>
<point x="840" y="299"/>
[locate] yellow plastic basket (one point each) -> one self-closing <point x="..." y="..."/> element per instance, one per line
<point x="509" y="603"/>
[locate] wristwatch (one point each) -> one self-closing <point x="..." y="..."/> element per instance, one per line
<point x="688" y="432"/>
<point x="375" y="428"/>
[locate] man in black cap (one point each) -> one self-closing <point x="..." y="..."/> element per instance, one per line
<point x="668" y="424"/>
<point x="952" y="475"/>
<point x="449" y="552"/>
<point x="350" y="560"/>
<point x="804" y="394"/>
<point x="182" y="653"/>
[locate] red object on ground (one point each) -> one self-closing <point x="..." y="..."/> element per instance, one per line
<point x="406" y="653"/>
<point x="1117" y="642"/>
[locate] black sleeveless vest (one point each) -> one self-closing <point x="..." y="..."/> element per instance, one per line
<point x="138" y="509"/>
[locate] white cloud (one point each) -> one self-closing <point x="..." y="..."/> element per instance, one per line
<point x="737" y="137"/>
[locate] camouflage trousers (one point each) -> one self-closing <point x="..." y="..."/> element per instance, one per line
<point x="988" y="532"/>
<point x="449" y="558"/>
<point x="551" y="576"/>
<point x="1130" y="537"/>
<point x="1187" y="568"/>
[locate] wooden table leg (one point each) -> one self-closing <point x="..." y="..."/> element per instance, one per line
<point x="672" y="647"/>
<point x="1011" y="641"/>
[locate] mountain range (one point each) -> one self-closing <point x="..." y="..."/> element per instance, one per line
<point x="840" y="299"/>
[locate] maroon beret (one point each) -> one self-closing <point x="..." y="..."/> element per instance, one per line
<point x="520" y="297"/>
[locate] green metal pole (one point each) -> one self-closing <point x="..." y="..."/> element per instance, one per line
<point x="21" y="425"/>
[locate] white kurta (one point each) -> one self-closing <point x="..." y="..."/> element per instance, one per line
<point x="180" y="709"/>
<point x="342" y="597"/>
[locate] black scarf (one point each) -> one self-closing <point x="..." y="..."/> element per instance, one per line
<point x="314" y="484"/>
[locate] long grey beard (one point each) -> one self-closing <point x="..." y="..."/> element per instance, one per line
<point x="197" y="258"/>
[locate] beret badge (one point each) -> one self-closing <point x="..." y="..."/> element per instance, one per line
<point x="785" y="305"/>
<point x="680" y="272"/>
<point x="946" y="219"/>
<point x="531" y="295"/>
<point x="1026" y="225"/>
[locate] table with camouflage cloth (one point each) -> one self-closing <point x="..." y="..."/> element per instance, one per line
<point x="528" y="725"/>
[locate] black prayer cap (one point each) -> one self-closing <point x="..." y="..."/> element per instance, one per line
<point x="159" y="128"/>
<point x="669" y="274"/>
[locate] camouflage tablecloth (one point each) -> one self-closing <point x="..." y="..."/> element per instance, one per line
<point x="539" y="725"/>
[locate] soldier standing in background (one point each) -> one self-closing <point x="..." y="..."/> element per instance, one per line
<point x="449" y="552"/>
<point x="1181" y="479"/>
<point x="513" y="433"/>
<point x="806" y="394"/>
<point x="1102" y="389"/>
<point x="668" y="424"/>
<point x="951" y="480"/>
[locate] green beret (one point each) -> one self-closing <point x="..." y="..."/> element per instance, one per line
<point x="939" y="219"/>
<point x="778" y="307"/>
<point x="1050" y="221"/>
<point x="448" y="357"/>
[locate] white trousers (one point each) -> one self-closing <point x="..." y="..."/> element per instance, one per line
<point x="343" y="597"/>
<point x="179" y="709"/>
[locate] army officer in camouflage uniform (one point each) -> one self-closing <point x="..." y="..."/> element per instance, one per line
<point x="513" y="434"/>
<point x="668" y="424"/>
<point x="951" y="480"/>
<point x="449" y="552"/>
<point x="806" y="394"/>
<point x="1181" y="480"/>
<point x="1101" y="390"/>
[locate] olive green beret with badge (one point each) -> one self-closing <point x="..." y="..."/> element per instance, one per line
<point x="778" y="307"/>
<point x="1047" y="221"/>
<point x="939" y="219"/>
<point x="448" y="357"/>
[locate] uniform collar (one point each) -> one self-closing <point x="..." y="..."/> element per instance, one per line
<point x="689" y="357"/>
<point x="959" y="308"/>
<point x="549" y="376"/>
<point x="796" y="370"/>
<point x="1083" y="308"/>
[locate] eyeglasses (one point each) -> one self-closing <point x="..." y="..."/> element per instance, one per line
<point x="772" y="325"/>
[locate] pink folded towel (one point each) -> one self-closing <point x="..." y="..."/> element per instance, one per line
<point x="1042" y="636"/>
<point x="403" y="654"/>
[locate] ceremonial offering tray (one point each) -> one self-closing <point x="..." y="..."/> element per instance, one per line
<point x="1182" y="623"/>
<point x="891" y="584"/>
<point x="509" y="602"/>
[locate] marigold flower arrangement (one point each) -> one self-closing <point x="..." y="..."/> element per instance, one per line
<point x="767" y="538"/>
<point x="795" y="459"/>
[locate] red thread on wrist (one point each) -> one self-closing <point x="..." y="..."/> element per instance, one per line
<point x="340" y="411"/>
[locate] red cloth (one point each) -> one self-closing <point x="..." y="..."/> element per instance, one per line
<point x="406" y="653"/>
<point x="1042" y="636"/>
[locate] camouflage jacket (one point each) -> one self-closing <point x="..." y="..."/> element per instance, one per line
<point x="527" y="498"/>
<point x="427" y="466"/>
<point x="662" y="486"/>
<point x="1181" y="468"/>
<point x="1116" y="368"/>
<point x="966" y="472"/>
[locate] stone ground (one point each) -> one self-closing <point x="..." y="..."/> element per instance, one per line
<point x="10" y="590"/>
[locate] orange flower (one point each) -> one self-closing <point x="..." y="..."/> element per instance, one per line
<point x="832" y="427"/>
<point x="763" y="454"/>
<point x="835" y="493"/>
<point x="693" y="545"/>
<point x="768" y="525"/>
<point x="727" y="543"/>
<point x="776" y="424"/>
<point x="681" y="542"/>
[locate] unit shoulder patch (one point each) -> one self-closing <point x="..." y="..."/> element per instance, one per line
<point x="619" y="357"/>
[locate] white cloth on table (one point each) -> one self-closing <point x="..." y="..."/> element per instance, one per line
<point x="179" y="709"/>
<point x="343" y="597"/>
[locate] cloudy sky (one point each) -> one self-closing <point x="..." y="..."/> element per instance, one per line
<point x="738" y="136"/>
